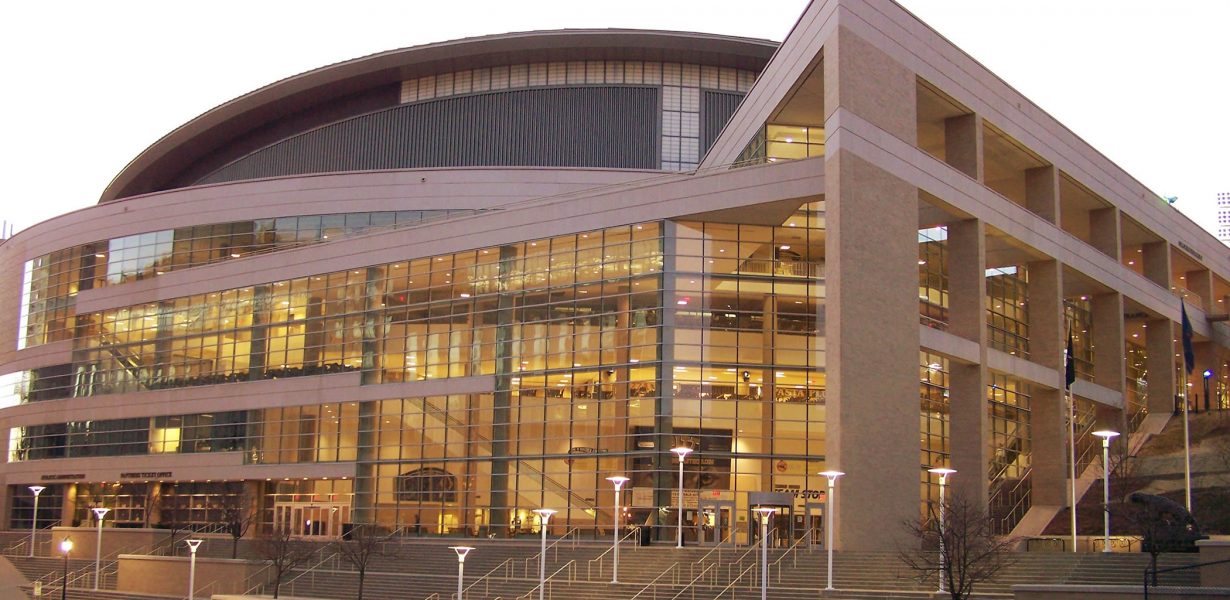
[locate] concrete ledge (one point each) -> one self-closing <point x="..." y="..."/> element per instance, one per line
<point x="1109" y="592"/>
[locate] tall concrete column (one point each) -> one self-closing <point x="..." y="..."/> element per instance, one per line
<point x="969" y="419"/>
<point x="1104" y="232"/>
<point x="871" y="320"/>
<point x="1042" y="192"/>
<point x="1160" y="365"/>
<point x="1048" y="405"/>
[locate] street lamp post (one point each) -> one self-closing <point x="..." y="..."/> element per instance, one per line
<point x="36" y="489"/>
<point x="1106" y="436"/>
<point x="619" y="481"/>
<point x="461" y="551"/>
<point x="99" y="512"/>
<point x="1207" y="374"/>
<point x="943" y="472"/>
<point x="765" y="514"/>
<point x="66" y="546"/>
<point x="683" y="452"/>
<point x="544" y="515"/>
<point x="830" y="501"/>
<point x="192" y="545"/>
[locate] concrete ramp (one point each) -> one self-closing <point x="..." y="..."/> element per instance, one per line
<point x="11" y="581"/>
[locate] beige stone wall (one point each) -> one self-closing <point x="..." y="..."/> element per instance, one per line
<point x="168" y="576"/>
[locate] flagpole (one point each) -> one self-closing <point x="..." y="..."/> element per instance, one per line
<point x="1187" y="453"/>
<point x="1072" y="465"/>
<point x="1189" y="359"/>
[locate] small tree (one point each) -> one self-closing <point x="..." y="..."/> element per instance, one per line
<point x="284" y="552"/>
<point x="237" y="519"/>
<point x="360" y="547"/>
<point x="968" y="552"/>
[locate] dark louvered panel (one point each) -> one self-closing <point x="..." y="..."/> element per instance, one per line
<point x="614" y="127"/>
<point x="716" y="110"/>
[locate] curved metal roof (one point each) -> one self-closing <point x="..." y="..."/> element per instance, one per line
<point x="161" y="165"/>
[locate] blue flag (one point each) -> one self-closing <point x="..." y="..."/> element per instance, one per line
<point x="1189" y="355"/>
<point x="1069" y="364"/>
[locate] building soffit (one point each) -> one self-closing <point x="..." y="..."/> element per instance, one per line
<point x="786" y="74"/>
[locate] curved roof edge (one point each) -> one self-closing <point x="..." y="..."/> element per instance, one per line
<point x="158" y="164"/>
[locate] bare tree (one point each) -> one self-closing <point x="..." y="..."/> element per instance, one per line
<point x="967" y="552"/>
<point x="363" y="544"/>
<point x="237" y="519"/>
<point x="284" y="552"/>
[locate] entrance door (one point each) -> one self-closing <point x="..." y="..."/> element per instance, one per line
<point x="813" y="515"/>
<point x="311" y="519"/>
<point x="717" y="519"/>
<point x="779" y="526"/>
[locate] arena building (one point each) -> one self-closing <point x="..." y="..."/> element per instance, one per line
<point x="439" y="287"/>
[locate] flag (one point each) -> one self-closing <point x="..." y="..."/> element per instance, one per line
<point x="1069" y="364"/>
<point x="1189" y="355"/>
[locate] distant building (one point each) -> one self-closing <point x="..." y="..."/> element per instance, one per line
<point x="1223" y="217"/>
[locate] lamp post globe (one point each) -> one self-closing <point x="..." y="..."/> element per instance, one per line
<point x="66" y="546"/>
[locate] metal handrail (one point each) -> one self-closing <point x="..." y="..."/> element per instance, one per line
<point x="489" y="575"/>
<point x="549" y="582"/>
<point x="572" y="533"/>
<point x="731" y="586"/>
<point x="653" y="584"/>
<point x="260" y="586"/>
<point x="805" y="539"/>
<point x="601" y="558"/>
<point x="1155" y="571"/>
<point x="691" y="585"/>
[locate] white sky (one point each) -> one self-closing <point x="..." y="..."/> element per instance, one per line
<point x="89" y="85"/>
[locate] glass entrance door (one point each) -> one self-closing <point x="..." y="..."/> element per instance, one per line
<point x="717" y="523"/>
<point x="311" y="519"/>
<point x="813" y="515"/>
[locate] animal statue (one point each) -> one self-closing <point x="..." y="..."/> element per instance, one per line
<point x="1166" y="525"/>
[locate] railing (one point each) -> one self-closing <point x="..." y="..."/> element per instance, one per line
<point x="786" y="268"/>
<point x="601" y="558"/>
<point x="1150" y="575"/>
<point x="549" y="582"/>
<point x="255" y="590"/>
<point x="690" y="587"/>
<point x="1011" y="503"/>
<point x="652" y="587"/>
<point x="792" y="553"/>
<point x="505" y="566"/>
<point x="734" y="581"/>
<point x="553" y="548"/>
